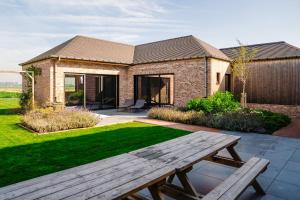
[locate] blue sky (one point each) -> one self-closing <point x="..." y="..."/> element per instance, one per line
<point x="29" y="27"/>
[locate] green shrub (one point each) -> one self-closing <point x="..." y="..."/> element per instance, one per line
<point x="272" y="121"/>
<point x="173" y="115"/>
<point x="219" y="102"/>
<point x="26" y="101"/>
<point x="49" y="120"/>
<point x="241" y="120"/>
<point x="76" y="96"/>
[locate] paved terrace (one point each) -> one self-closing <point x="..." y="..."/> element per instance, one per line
<point x="281" y="180"/>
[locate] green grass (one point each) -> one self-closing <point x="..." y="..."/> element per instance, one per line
<point x="5" y="94"/>
<point x="25" y="155"/>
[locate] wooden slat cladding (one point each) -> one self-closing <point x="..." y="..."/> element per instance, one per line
<point x="273" y="82"/>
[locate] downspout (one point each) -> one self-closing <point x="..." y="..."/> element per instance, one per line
<point x="205" y="76"/>
<point x="54" y="79"/>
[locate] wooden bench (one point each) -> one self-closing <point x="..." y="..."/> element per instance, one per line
<point x="121" y="177"/>
<point x="235" y="184"/>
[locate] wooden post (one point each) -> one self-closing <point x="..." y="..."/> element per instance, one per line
<point x="84" y="90"/>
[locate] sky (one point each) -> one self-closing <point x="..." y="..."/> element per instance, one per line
<point x="30" y="27"/>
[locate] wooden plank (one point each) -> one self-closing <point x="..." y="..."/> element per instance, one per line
<point x="177" y="193"/>
<point x="171" y="145"/>
<point x="245" y="181"/>
<point x="172" y="153"/>
<point x="273" y="82"/>
<point x="185" y="148"/>
<point x="189" y="161"/>
<point x="58" y="177"/>
<point x="89" y="180"/>
<point x="124" y="186"/>
<point x="122" y="176"/>
<point x="249" y="170"/>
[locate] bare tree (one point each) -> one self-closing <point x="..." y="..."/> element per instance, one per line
<point x="240" y="68"/>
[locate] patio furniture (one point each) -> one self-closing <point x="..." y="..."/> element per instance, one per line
<point x="139" y="104"/>
<point x="126" y="105"/>
<point x="153" y="167"/>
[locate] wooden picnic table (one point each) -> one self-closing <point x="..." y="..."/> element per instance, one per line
<point x="153" y="167"/>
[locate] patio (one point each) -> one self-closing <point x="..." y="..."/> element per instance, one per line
<point x="281" y="179"/>
<point x="112" y="116"/>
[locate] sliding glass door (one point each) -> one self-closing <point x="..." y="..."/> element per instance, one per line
<point x="93" y="91"/>
<point x="155" y="89"/>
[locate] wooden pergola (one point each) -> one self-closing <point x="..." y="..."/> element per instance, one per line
<point x="30" y="74"/>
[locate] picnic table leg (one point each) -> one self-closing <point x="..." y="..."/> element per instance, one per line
<point x="170" y="178"/>
<point x="236" y="157"/>
<point x="186" y="183"/>
<point x="233" y="152"/>
<point x="155" y="192"/>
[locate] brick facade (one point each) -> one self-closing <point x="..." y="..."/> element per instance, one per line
<point x="190" y="77"/>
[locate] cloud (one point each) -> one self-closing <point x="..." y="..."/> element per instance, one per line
<point x="29" y="27"/>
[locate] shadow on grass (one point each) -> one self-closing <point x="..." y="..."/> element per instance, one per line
<point x="20" y="163"/>
<point x="10" y="111"/>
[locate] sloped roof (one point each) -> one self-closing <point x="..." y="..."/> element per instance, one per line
<point x="174" y="49"/>
<point x="86" y="48"/>
<point x="266" y="51"/>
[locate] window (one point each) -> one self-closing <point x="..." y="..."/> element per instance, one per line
<point x="154" y="89"/>
<point x="70" y="85"/>
<point x="218" y="78"/>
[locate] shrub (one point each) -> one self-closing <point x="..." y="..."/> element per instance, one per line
<point x="173" y="115"/>
<point x="26" y="101"/>
<point x="219" y="102"/>
<point x="272" y="121"/>
<point x="241" y="120"/>
<point x="76" y="96"/>
<point x="49" y="120"/>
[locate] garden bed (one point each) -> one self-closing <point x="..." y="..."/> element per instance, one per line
<point x="222" y="111"/>
<point x="48" y="120"/>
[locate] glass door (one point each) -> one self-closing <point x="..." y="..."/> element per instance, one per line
<point x="106" y="91"/>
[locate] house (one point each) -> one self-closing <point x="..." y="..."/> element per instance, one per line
<point x="274" y="74"/>
<point x="168" y="72"/>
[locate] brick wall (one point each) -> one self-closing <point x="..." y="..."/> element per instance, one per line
<point x="43" y="93"/>
<point x="189" y="78"/>
<point x="290" y="110"/>
<point x="89" y="68"/>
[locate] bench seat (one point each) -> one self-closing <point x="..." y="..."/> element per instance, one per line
<point x="243" y="177"/>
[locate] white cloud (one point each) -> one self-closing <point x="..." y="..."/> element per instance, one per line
<point x="29" y="27"/>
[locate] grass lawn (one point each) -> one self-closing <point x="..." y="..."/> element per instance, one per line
<point x="9" y="94"/>
<point x="25" y="155"/>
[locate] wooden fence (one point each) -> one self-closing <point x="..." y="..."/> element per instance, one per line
<point x="273" y="82"/>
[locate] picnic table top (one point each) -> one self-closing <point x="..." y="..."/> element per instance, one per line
<point x="125" y="174"/>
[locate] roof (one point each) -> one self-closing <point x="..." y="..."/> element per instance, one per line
<point x="267" y="51"/>
<point x="175" y="49"/>
<point x="86" y="48"/>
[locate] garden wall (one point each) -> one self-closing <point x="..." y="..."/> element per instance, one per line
<point x="290" y="110"/>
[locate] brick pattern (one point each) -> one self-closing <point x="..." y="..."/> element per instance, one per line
<point x="189" y="78"/>
<point x="290" y="110"/>
<point x="43" y="84"/>
<point x="89" y="68"/>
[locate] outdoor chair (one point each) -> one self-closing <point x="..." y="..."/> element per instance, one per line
<point x="139" y="104"/>
<point x="126" y="106"/>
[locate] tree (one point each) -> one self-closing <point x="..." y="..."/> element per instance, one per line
<point x="240" y="67"/>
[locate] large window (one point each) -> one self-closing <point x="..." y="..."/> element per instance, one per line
<point x="155" y="89"/>
<point x="74" y="86"/>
